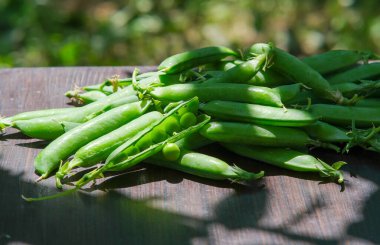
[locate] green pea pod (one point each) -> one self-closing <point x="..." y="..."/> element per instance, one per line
<point x="290" y="66"/>
<point x="289" y="159"/>
<point x="243" y="72"/>
<point x="194" y="58"/>
<point x="218" y="91"/>
<point x="262" y="135"/>
<point x="259" y="114"/>
<point x="50" y="158"/>
<point x="335" y="60"/>
<point x="205" y="166"/>
<point x="366" y="71"/>
<point x="362" y="88"/>
<point x="9" y="121"/>
<point x="344" y="115"/>
<point x="49" y="128"/>
<point x="326" y="132"/>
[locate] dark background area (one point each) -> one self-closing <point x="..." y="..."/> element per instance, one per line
<point x="144" y="32"/>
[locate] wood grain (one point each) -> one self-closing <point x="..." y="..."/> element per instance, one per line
<point x="151" y="205"/>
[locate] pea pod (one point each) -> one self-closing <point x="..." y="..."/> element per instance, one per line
<point x="61" y="148"/>
<point x="298" y="71"/>
<point x="344" y="115"/>
<point x="49" y="128"/>
<point x="326" y="132"/>
<point x="241" y="73"/>
<point x="194" y="58"/>
<point x="9" y="121"/>
<point x="218" y="91"/>
<point x="262" y="135"/>
<point x="358" y="73"/>
<point x="264" y="115"/>
<point x="335" y="60"/>
<point x="99" y="149"/>
<point x="205" y="166"/>
<point x="289" y="159"/>
<point x="363" y="88"/>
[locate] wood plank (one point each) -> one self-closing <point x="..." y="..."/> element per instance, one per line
<point x="151" y="205"/>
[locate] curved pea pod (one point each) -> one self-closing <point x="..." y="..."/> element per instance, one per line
<point x="242" y="72"/>
<point x="99" y="149"/>
<point x="218" y="91"/>
<point x="194" y="58"/>
<point x="9" y="121"/>
<point x="363" y="88"/>
<point x="61" y="148"/>
<point x="361" y="72"/>
<point x="326" y="132"/>
<point x="262" y="135"/>
<point x="85" y="98"/>
<point x="49" y="128"/>
<point x="293" y="68"/>
<point x="335" y="60"/>
<point x="136" y="149"/>
<point x="264" y="115"/>
<point x="289" y="159"/>
<point x="205" y="166"/>
<point x="345" y="115"/>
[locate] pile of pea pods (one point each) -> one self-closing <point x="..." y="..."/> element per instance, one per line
<point x="264" y="104"/>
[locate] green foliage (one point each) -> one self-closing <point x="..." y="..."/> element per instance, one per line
<point x="144" y="32"/>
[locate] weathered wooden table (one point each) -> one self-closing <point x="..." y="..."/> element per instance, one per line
<point x="151" y="205"/>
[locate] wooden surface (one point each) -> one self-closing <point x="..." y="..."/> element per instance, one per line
<point x="151" y="205"/>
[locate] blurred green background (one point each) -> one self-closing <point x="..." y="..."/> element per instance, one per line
<point x="144" y="32"/>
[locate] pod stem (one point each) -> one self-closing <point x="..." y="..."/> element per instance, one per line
<point x="243" y="175"/>
<point x="362" y="137"/>
<point x="93" y="175"/>
<point x="331" y="171"/>
<point x="4" y="123"/>
<point x="42" y="177"/>
<point x="341" y="100"/>
<point x="63" y="171"/>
